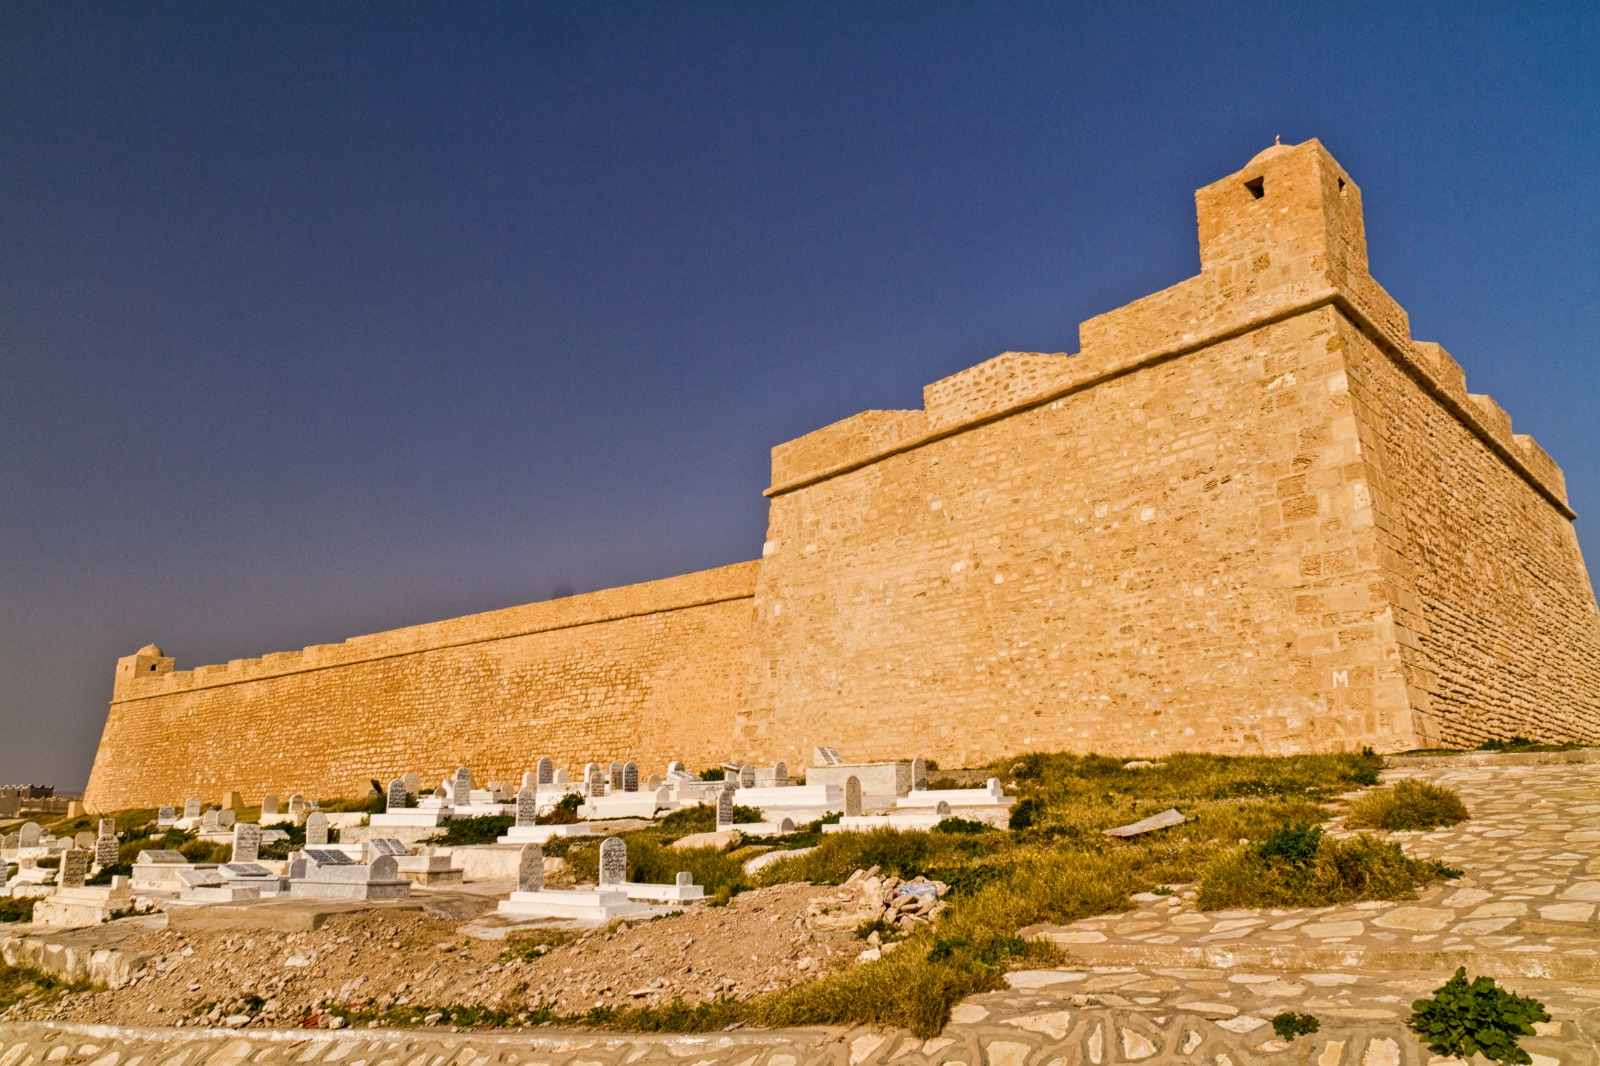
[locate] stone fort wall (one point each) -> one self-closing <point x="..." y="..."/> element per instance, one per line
<point x="1251" y="514"/>
<point x="649" y="672"/>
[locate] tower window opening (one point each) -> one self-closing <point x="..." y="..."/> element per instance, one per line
<point x="1257" y="187"/>
<point x="1341" y="186"/>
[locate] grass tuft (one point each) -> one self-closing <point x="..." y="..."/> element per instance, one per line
<point x="1278" y="873"/>
<point x="1408" y="804"/>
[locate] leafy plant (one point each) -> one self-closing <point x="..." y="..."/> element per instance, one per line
<point x="1281" y="872"/>
<point x="962" y="826"/>
<point x="1289" y="1025"/>
<point x="1465" y="1018"/>
<point x="484" y="829"/>
<point x="1409" y="804"/>
<point x="565" y="812"/>
<point x="1295" y="844"/>
<point x="1024" y="813"/>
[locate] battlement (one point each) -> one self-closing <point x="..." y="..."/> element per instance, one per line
<point x="1283" y="236"/>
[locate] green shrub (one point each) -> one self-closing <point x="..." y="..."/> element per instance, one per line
<point x="280" y="849"/>
<point x="903" y="854"/>
<point x="1464" y="1018"/>
<point x="565" y="811"/>
<point x="1024" y="812"/>
<point x="685" y="820"/>
<point x="484" y="829"/>
<point x="18" y="983"/>
<point x="106" y="873"/>
<point x="962" y="826"/>
<point x="715" y="773"/>
<point x="1289" y="1025"/>
<point x="1277" y="873"/>
<point x="1408" y="804"/>
<point x="16" y="908"/>
<point x="371" y="803"/>
<point x="746" y="815"/>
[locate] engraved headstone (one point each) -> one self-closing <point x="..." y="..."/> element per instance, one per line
<point x="780" y="772"/>
<point x="316" y="829"/>
<point x="246" y="842"/>
<point x="527" y="807"/>
<point x="597" y="781"/>
<point x="826" y="756"/>
<point x="852" y="797"/>
<point x="394" y="797"/>
<point x="166" y="814"/>
<point x="74" y="868"/>
<point x="461" y="787"/>
<point x="385" y="846"/>
<point x="269" y="805"/>
<point x="545" y="774"/>
<point x="786" y="825"/>
<point x="210" y="820"/>
<point x="747" y="777"/>
<point x="724" y="809"/>
<point x="297" y="804"/>
<point x="243" y="869"/>
<point x="191" y="807"/>
<point x="530" y="869"/>
<point x="613" y="861"/>
<point x="919" y="774"/>
<point x="105" y="845"/>
<point x="630" y="777"/>
<point x="28" y="835"/>
<point x="614" y="778"/>
<point x="942" y="809"/>
<point x="383" y="868"/>
<point x="327" y="857"/>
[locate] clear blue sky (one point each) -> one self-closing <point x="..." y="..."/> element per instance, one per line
<point x="323" y="319"/>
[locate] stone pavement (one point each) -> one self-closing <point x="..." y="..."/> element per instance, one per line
<point x="1159" y="984"/>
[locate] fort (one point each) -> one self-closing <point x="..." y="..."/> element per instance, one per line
<point x="1250" y="515"/>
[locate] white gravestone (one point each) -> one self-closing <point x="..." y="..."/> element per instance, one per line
<point x="529" y="780"/>
<point x="297" y="804"/>
<point x="826" y="756"/>
<point x="724" y="809"/>
<point x="316" y="829"/>
<point x="614" y="778"/>
<point x="246" y="842"/>
<point x="530" y="869"/>
<point x="269" y="805"/>
<point x="613" y="861"/>
<point x="191" y="807"/>
<point x="166" y="815"/>
<point x="211" y="820"/>
<point x="630" y="777"/>
<point x="560" y="777"/>
<point x="105" y="845"/>
<point x="394" y="798"/>
<point x="74" y="868"/>
<point x="852" y="797"/>
<point x="545" y="774"/>
<point x="461" y="787"/>
<point x="747" y="776"/>
<point x="84" y="840"/>
<point x="527" y="807"/>
<point x="28" y="835"/>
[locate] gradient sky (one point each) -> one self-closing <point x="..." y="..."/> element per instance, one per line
<point x="317" y="320"/>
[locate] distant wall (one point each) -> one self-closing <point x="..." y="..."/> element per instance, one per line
<point x="648" y="672"/>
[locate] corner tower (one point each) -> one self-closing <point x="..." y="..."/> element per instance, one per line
<point x="1250" y="515"/>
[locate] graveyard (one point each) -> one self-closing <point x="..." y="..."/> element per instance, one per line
<point x="893" y="896"/>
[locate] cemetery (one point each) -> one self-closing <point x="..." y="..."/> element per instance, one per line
<point x="892" y="895"/>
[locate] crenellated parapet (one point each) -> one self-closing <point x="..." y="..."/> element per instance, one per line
<point x="1282" y="237"/>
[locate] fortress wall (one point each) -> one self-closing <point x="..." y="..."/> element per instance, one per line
<point x="1507" y="637"/>
<point x="649" y="672"/>
<point x="1173" y="558"/>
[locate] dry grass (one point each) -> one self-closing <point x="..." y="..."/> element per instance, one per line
<point x="1409" y="804"/>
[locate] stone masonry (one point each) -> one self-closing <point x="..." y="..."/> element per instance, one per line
<point x="1251" y="514"/>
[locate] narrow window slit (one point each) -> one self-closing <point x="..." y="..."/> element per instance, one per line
<point x="1257" y="187"/>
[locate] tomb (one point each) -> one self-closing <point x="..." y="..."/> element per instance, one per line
<point x="73" y="907"/>
<point x="323" y="873"/>
<point x="533" y="900"/>
<point x="161" y="873"/>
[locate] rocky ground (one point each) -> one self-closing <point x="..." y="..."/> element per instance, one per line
<point x="759" y="942"/>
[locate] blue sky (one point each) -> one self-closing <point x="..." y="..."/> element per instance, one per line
<point x="324" y="319"/>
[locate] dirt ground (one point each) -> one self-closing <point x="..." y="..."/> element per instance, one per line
<point x="757" y="943"/>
